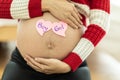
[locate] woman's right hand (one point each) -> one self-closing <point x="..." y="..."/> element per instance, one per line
<point x="65" y="11"/>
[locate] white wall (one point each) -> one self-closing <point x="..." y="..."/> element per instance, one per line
<point x="111" y="43"/>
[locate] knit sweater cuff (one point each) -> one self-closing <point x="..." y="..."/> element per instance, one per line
<point x="94" y="33"/>
<point x="73" y="60"/>
<point x="35" y="11"/>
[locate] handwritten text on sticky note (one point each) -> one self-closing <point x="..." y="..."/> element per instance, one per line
<point x="43" y="26"/>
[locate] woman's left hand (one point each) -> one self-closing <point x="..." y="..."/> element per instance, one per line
<point x="47" y="66"/>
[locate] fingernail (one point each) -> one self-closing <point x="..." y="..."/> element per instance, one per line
<point x="76" y="27"/>
<point x="25" y="59"/>
<point x="36" y="58"/>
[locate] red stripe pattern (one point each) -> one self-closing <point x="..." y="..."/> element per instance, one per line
<point x="5" y="8"/>
<point x="100" y="4"/>
<point x="94" y="33"/>
<point x="35" y="8"/>
<point x="73" y="60"/>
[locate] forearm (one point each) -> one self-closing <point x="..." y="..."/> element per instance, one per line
<point x="22" y="9"/>
<point x="99" y="20"/>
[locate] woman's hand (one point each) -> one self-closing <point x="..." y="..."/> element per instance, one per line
<point x="65" y="11"/>
<point x="47" y="66"/>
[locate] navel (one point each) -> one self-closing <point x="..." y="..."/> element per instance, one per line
<point x="50" y="45"/>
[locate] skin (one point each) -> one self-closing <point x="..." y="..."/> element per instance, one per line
<point x="47" y="66"/>
<point x="67" y="13"/>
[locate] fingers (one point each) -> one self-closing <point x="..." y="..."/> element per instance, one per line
<point x="74" y="18"/>
<point x="74" y="21"/>
<point x="78" y="15"/>
<point x="36" y="65"/>
<point x="42" y="61"/>
<point x="47" y="66"/>
<point x="72" y="24"/>
<point x="32" y="65"/>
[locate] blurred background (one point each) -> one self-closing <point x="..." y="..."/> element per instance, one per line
<point x="104" y="62"/>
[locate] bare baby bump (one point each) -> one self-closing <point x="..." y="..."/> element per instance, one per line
<point x="41" y="37"/>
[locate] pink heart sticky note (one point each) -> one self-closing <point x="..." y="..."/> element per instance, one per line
<point x="43" y="26"/>
<point x="59" y="28"/>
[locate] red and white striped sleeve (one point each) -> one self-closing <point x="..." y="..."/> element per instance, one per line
<point x="20" y="9"/>
<point x="99" y="25"/>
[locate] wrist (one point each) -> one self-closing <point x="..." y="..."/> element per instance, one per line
<point x="45" y="5"/>
<point x="67" y="68"/>
<point x="73" y="60"/>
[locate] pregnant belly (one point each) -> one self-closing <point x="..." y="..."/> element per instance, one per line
<point x="49" y="45"/>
